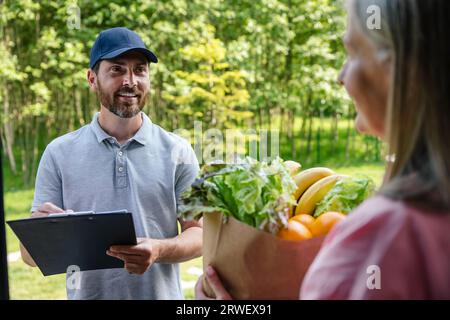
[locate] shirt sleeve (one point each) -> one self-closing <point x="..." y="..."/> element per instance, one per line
<point x="186" y="171"/>
<point x="48" y="187"/>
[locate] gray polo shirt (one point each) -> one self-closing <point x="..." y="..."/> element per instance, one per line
<point x="88" y="170"/>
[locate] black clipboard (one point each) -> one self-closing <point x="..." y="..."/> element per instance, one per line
<point x="80" y="239"/>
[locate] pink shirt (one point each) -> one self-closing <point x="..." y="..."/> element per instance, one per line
<point x="385" y="249"/>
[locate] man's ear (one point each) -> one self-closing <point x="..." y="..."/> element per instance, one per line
<point x="92" y="80"/>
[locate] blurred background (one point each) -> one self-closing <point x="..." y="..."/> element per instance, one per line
<point x="232" y="64"/>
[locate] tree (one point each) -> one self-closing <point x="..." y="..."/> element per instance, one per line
<point x="212" y="91"/>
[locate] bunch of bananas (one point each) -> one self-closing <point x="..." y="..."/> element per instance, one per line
<point x="312" y="186"/>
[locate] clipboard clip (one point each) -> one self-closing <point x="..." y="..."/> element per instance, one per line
<point x="66" y="214"/>
<point x="83" y="213"/>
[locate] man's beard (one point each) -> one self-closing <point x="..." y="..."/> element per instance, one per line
<point x="122" y="109"/>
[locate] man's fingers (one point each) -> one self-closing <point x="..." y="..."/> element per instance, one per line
<point x="139" y="249"/>
<point x="134" y="268"/>
<point x="125" y="257"/>
<point x="37" y="214"/>
<point x="124" y="249"/>
<point x="49" y="207"/>
<point x="216" y="285"/>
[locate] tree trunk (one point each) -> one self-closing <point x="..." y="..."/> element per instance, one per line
<point x="78" y="116"/>
<point x="377" y="150"/>
<point x="269" y="116"/>
<point x="8" y="131"/>
<point x="282" y="123"/>
<point x="308" y="143"/>
<point x="319" y="129"/>
<point x="334" y="134"/>
<point x="35" y="129"/>
<point x="25" y="152"/>
<point x="87" y="106"/>
<point x="301" y="135"/>
<point x="290" y="133"/>
<point x="347" y="140"/>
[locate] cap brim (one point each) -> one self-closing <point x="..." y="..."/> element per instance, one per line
<point x="147" y="53"/>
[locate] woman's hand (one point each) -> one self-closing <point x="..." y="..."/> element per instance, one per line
<point x="215" y="284"/>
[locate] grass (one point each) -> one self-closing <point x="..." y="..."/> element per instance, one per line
<point x="28" y="283"/>
<point x="17" y="206"/>
<point x="324" y="150"/>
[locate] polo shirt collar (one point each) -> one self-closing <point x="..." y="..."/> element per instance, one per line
<point x="142" y="136"/>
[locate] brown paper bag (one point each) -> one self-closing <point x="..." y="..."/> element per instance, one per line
<point x="254" y="264"/>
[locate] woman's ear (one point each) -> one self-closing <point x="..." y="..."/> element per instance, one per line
<point x="385" y="58"/>
<point x="92" y="80"/>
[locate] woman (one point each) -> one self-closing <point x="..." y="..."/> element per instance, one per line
<point x="396" y="244"/>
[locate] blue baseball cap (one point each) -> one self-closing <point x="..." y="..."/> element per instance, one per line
<point x="113" y="42"/>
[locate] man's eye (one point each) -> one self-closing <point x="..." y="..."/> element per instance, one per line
<point x="140" y="70"/>
<point x="116" y="69"/>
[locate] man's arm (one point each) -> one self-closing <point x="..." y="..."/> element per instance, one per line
<point x="42" y="211"/>
<point x="26" y="256"/>
<point x="186" y="246"/>
<point x="47" y="195"/>
<point x="139" y="258"/>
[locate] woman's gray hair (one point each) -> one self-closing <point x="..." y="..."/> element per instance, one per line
<point x="379" y="34"/>
<point x="414" y="33"/>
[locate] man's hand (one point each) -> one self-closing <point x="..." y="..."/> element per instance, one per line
<point x="47" y="208"/>
<point x="42" y="211"/>
<point x="138" y="258"/>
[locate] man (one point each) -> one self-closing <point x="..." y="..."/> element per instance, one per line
<point x="121" y="160"/>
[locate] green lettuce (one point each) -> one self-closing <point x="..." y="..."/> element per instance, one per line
<point x="256" y="193"/>
<point x="346" y="195"/>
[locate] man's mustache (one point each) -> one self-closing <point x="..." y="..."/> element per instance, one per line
<point x="127" y="90"/>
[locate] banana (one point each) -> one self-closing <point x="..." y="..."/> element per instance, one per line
<point x="293" y="167"/>
<point x="307" y="178"/>
<point x="315" y="194"/>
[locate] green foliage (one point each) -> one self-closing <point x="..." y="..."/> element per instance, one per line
<point x="231" y="64"/>
<point x="211" y="86"/>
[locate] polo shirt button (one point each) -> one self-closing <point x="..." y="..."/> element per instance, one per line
<point x="120" y="153"/>
<point x="120" y="169"/>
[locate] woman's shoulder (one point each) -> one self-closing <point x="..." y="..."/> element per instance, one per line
<point x="395" y="237"/>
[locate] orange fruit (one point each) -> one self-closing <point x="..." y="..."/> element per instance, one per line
<point x="323" y="224"/>
<point x="295" y="231"/>
<point x="304" y="219"/>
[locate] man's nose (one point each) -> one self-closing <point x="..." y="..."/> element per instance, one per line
<point x="129" y="79"/>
